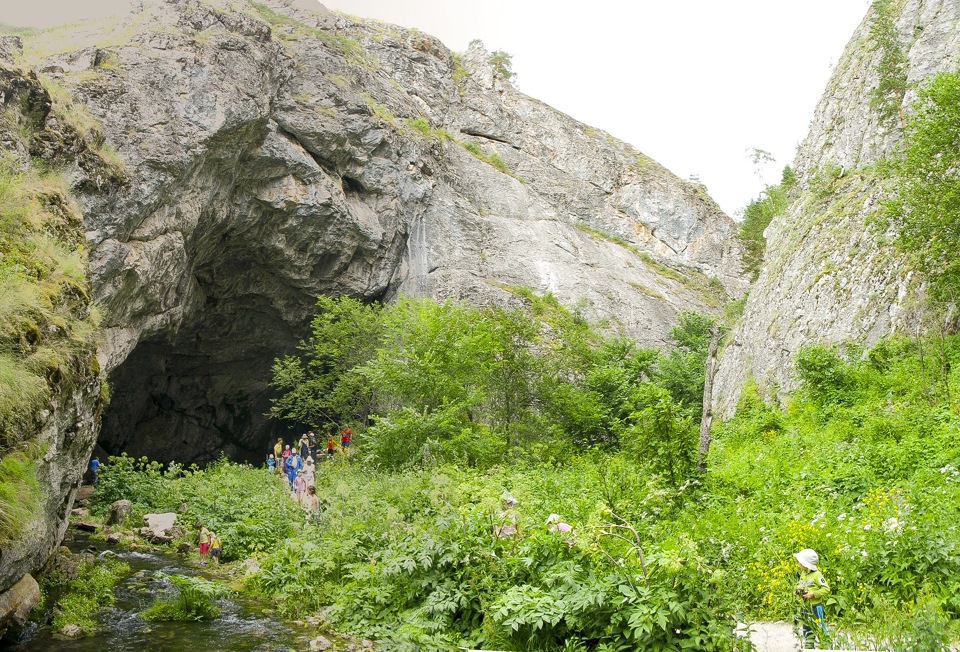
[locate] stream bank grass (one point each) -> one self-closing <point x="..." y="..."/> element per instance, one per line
<point x="191" y="598"/>
<point x="83" y="596"/>
<point x="20" y="494"/>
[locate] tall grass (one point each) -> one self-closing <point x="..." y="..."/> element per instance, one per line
<point x="20" y="494"/>
<point x="47" y="329"/>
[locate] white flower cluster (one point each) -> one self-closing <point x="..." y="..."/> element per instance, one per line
<point x="950" y="473"/>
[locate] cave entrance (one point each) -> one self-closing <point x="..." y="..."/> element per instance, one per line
<point x="204" y="392"/>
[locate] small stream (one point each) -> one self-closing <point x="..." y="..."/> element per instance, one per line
<point x="243" y="624"/>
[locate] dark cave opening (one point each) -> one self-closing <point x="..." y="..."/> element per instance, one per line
<point x="204" y="391"/>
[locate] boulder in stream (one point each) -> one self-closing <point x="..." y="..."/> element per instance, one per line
<point x="160" y="527"/>
<point x="320" y="643"/>
<point x="119" y="510"/>
<point x="72" y="630"/>
<point x="16" y="603"/>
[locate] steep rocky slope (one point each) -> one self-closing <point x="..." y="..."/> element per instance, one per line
<point x="50" y="382"/>
<point x="827" y="276"/>
<point x="278" y="151"/>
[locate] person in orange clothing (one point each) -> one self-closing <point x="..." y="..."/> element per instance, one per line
<point x="346" y="434"/>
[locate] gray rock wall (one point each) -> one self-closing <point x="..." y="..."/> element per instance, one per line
<point x="827" y="277"/>
<point x="274" y="155"/>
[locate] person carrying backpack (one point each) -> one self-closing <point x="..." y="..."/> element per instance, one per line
<point x="811" y="588"/>
<point x="215" y="547"/>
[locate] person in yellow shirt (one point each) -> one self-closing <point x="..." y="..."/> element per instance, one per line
<point x="278" y="454"/>
<point x="204" y="542"/>
<point x="811" y="588"/>
<point x="215" y="547"/>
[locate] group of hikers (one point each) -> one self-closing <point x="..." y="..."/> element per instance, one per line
<point x="297" y="465"/>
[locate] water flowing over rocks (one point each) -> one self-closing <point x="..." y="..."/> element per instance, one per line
<point x="266" y="154"/>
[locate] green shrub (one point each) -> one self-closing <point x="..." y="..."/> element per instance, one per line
<point x="827" y="378"/>
<point x="84" y="596"/>
<point x="193" y="598"/>
<point x="421" y="125"/>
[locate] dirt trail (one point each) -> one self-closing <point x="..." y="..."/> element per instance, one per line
<point x="774" y="637"/>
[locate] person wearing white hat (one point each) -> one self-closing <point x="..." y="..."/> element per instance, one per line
<point x="812" y="588"/>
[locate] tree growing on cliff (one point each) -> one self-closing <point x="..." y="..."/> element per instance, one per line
<point x="758" y="214"/>
<point x="925" y="202"/>
<point x="502" y="63"/>
<point x="887" y="98"/>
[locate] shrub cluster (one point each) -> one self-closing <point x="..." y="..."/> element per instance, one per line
<point x="486" y="385"/>
<point x="249" y="508"/>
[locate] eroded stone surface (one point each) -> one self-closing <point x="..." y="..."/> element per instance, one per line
<point x="271" y="160"/>
<point x="827" y="277"/>
<point x="17" y="602"/>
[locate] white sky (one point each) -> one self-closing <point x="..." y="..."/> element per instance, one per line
<point x="692" y="83"/>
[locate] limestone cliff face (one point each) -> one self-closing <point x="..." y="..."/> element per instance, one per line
<point x="58" y="438"/>
<point x="827" y="277"/>
<point x="277" y="151"/>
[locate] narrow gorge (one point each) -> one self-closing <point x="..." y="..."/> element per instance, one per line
<point x="180" y="184"/>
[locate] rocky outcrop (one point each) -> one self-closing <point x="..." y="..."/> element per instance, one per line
<point x="275" y="153"/>
<point x="119" y="510"/>
<point x="160" y="526"/>
<point x="17" y="602"/>
<point x="57" y="439"/>
<point x="827" y="276"/>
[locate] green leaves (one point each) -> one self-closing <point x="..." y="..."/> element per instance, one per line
<point x="925" y="201"/>
<point x="827" y="377"/>
<point x="477" y="385"/>
<point x="892" y="68"/>
<point x="321" y="387"/>
<point x="83" y="596"/>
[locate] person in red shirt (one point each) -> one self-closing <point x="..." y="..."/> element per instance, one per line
<point x="346" y="434"/>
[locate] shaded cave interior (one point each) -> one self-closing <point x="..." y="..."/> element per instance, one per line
<point x="271" y="235"/>
<point x="203" y="392"/>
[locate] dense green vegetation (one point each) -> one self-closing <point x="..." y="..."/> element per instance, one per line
<point x="486" y="385"/>
<point x="758" y="214"/>
<point x="862" y="465"/>
<point x="228" y="499"/>
<point x="79" y="599"/>
<point x="924" y="202"/>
